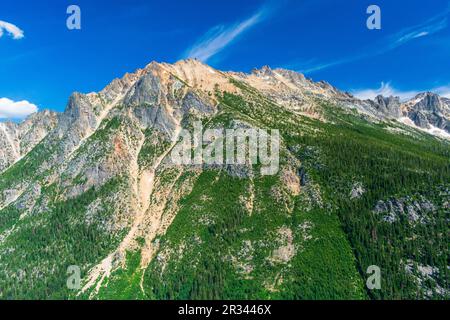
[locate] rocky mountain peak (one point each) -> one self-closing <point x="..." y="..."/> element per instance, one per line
<point x="428" y="101"/>
<point x="428" y="110"/>
<point x="388" y="106"/>
<point x="194" y="82"/>
<point x="265" y="71"/>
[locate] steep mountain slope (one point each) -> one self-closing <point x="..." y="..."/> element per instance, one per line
<point x="98" y="190"/>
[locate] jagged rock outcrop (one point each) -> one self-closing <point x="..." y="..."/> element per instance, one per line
<point x="387" y="106"/>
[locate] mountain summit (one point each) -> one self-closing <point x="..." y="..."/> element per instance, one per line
<point x="93" y="189"/>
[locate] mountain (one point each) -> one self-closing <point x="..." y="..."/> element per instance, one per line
<point x="95" y="188"/>
<point x="428" y="110"/>
<point x="387" y="106"/>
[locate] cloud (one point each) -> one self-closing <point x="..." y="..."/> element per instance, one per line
<point x="387" y="90"/>
<point x="432" y="26"/>
<point x="219" y="37"/>
<point x="10" y="109"/>
<point x="310" y="67"/>
<point x="443" y="91"/>
<point x="425" y="29"/>
<point x="11" y="29"/>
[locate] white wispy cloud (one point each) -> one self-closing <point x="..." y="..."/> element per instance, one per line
<point x="425" y="29"/>
<point x="219" y="37"/>
<point x="10" y="109"/>
<point x="311" y="66"/>
<point x="11" y="29"/>
<point x="386" y="89"/>
<point x="443" y="91"/>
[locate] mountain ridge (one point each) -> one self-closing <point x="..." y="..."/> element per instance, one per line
<point x="293" y="90"/>
<point x="98" y="191"/>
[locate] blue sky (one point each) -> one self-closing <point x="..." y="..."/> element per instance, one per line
<point x="42" y="62"/>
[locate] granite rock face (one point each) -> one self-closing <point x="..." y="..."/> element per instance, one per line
<point x="388" y="106"/>
<point x="428" y="109"/>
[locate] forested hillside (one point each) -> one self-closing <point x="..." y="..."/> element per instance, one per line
<point x="353" y="190"/>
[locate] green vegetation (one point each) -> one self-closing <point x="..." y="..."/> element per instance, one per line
<point x="389" y="166"/>
<point x="216" y="250"/>
<point x="52" y="241"/>
<point x="124" y="284"/>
